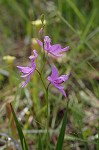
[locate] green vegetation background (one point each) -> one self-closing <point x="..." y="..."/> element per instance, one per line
<point x="69" y="22"/>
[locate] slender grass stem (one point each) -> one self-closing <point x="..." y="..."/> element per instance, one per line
<point x="47" y="123"/>
<point x="41" y="78"/>
<point x="47" y="104"/>
<point x="48" y="116"/>
<point x="45" y="58"/>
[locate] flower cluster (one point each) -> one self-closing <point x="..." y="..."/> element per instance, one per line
<point x="56" y="50"/>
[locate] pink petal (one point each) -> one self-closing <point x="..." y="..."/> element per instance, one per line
<point x="24" y="69"/>
<point x="54" y="74"/>
<point x="64" y="77"/>
<point x="47" y="39"/>
<point x="24" y="76"/>
<point x="27" y="80"/>
<point x="65" y="49"/>
<point x="61" y="90"/>
<point x="50" y="79"/>
<point x="58" y="86"/>
<point x="33" y="57"/>
<point x="55" y="47"/>
<point x="55" y="54"/>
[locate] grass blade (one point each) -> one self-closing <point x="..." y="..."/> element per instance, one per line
<point x="77" y="11"/>
<point x="60" y="141"/>
<point x="40" y="143"/>
<point x="21" y="135"/>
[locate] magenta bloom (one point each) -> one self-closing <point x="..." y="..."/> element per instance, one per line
<point x="57" y="81"/>
<point x="28" y="71"/>
<point x="55" y="49"/>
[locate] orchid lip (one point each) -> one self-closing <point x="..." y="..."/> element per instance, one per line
<point x="58" y="82"/>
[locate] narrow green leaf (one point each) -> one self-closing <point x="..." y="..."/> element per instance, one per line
<point x="40" y="143"/>
<point x="77" y="11"/>
<point x="89" y="24"/>
<point x="60" y="141"/>
<point x="67" y="23"/>
<point x="21" y="135"/>
<point x="14" y="4"/>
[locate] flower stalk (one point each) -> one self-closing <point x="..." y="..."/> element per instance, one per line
<point x="55" y="50"/>
<point x="48" y="116"/>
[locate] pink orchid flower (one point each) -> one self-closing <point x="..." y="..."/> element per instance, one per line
<point x="57" y="81"/>
<point x="55" y="49"/>
<point x="28" y="71"/>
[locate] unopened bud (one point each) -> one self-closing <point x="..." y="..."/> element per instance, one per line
<point x="41" y="34"/>
<point x="41" y="31"/>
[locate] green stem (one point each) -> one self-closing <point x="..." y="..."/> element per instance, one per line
<point x="47" y="124"/>
<point x="47" y="104"/>
<point x="45" y="58"/>
<point x="41" y="79"/>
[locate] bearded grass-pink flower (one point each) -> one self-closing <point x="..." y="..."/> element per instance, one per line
<point x="55" y="50"/>
<point x="57" y="81"/>
<point x="28" y="71"/>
